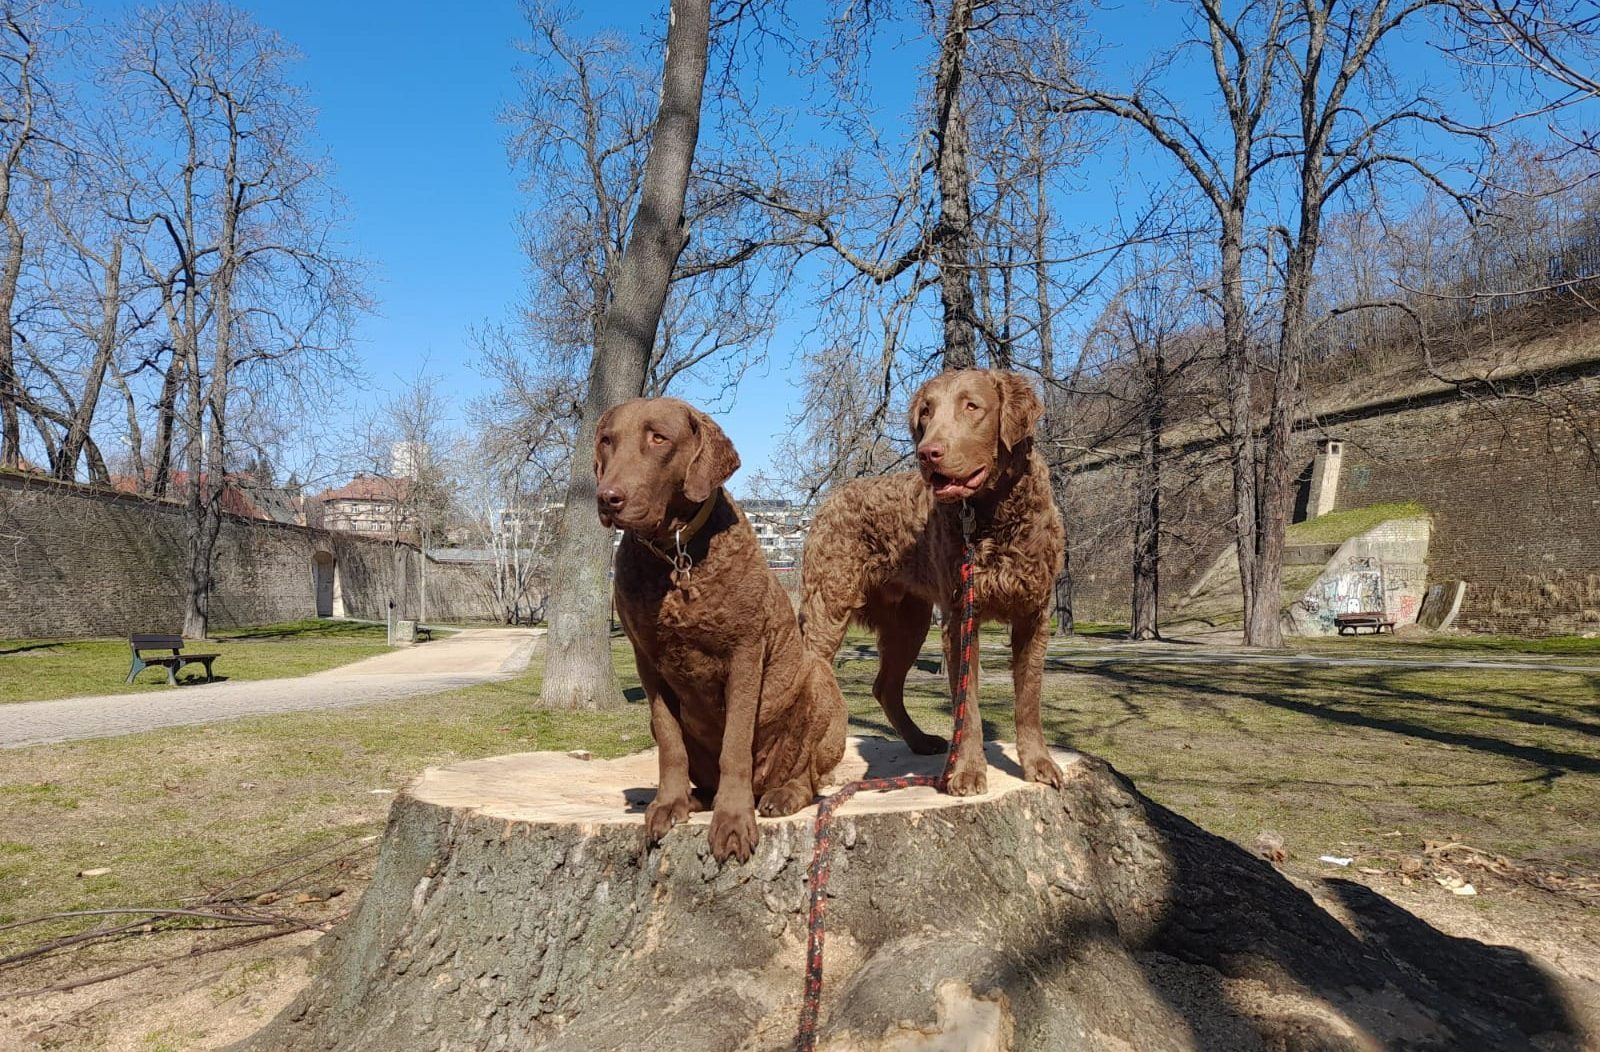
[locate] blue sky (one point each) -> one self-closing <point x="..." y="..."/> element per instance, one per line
<point x="407" y="95"/>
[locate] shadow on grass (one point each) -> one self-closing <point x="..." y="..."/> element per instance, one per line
<point x="1276" y="688"/>
<point x="1209" y="921"/>
<point x="300" y="630"/>
<point x="142" y="680"/>
<point x="24" y="648"/>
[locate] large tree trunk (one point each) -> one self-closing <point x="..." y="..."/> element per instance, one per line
<point x="1241" y="425"/>
<point x="1144" y="623"/>
<point x="1054" y="423"/>
<point x="77" y="438"/>
<point x="513" y="907"/>
<point x="955" y="194"/>
<point x="10" y="381"/>
<point x="578" y="672"/>
<point x="1059" y="480"/>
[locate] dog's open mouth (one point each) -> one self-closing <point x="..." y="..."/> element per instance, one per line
<point x="947" y="487"/>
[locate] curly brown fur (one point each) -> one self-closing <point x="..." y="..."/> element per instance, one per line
<point x="883" y="552"/>
<point x="739" y="709"/>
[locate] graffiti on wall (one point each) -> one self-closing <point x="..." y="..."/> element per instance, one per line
<point x="1357" y="588"/>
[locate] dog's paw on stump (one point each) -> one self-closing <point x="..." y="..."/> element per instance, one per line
<point x="511" y="907"/>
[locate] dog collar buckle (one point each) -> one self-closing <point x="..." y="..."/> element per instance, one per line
<point x="969" y="521"/>
<point x="681" y="563"/>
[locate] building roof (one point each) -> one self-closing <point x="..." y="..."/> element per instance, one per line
<point x="369" y="488"/>
<point x="239" y="496"/>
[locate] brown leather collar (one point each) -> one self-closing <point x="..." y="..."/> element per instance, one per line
<point x="679" y="559"/>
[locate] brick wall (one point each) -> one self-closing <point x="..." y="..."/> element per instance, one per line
<point x="75" y="561"/>
<point x="1513" y="485"/>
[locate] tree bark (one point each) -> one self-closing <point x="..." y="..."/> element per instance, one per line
<point x="1144" y="622"/>
<point x="512" y="907"/>
<point x="1065" y="625"/>
<point x="578" y="671"/>
<point x="10" y="382"/>
<point x="166" y="423"/>
<point x="955" y="194"/>
<point x="77" y="438"/>
<point x="1054" y="426"/>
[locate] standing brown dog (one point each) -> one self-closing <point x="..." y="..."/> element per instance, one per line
<point x="885" y="551"/>
<point x="739" y="708"/>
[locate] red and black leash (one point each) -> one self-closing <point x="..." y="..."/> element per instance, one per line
<point x="821" y="853"/>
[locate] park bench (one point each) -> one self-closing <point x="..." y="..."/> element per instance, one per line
<point x="172" y="663"/>
<point x="1354" y="623"/>
<point x="424" y="634"/>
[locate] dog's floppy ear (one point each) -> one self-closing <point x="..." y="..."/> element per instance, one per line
<point x="1020" y="408"/>
<point x="914" y="414"/>
<point x="713" y="462"/>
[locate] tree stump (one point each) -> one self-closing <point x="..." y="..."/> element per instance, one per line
<point x="513" y="907"/>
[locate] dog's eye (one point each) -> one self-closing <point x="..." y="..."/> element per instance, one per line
<point x="657" y="440"/>
<point x="972" y="407"/>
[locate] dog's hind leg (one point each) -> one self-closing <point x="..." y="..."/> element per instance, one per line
<point x="902" y="626"/>
<point x="787" y="798"/>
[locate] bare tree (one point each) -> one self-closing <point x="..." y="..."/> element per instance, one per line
<point x="422" y="456"/>
<point x="1152" y="335"/>
<point x="578" y="669"/>
<point x="518" y="470"/>
<point x="240" y="256"/>
<point x="1310" y="102"/>
<point x="29" y="30"/>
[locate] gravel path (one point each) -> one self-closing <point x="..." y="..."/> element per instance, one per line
<point x="449" y="663"/>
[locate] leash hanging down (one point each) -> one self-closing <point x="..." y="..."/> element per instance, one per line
<point x="821" y="853"/>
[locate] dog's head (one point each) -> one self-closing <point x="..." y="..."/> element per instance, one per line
<point x="655" y="461"/>
<point x="969" y="426"/>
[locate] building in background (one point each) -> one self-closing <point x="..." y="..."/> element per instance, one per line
<point x="371" y="505"/>
<point x="780" y="527"/>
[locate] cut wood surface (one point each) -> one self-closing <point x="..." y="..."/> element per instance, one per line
<point x="555" y="789"/>
<point x="514" y="907"/>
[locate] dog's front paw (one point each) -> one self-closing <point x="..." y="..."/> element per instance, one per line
<point x="1040" y="768"/>
<point x="662" y="815"/>
<point x="733" y="833"/>
<point x="968" y="780"/>
<point x="927" y="744"/>
<point x="784" y="800"/>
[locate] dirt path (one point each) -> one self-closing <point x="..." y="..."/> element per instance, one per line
<point x="449" y="663"/>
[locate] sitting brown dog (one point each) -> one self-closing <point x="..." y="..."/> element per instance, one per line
<point x="885" y="551"/>
<point x="738" y="708"/>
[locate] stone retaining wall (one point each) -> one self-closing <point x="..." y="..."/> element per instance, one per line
<point x="78" y="561"/>
<point x="1512" y="484"/>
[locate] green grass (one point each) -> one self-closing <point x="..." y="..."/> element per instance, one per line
<point x="1508" y="761"/>
<point x="1333" y="759"/>
<point x="169" y="812"/>
<point x="1448" y="647"/>
<point x="38" y="669"/>
<point x="1339" y="526"/>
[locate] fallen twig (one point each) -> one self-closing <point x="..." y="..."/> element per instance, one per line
<point x="198" y="951"/>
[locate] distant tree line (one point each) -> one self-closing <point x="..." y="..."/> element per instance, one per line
<point x="168" y="253"/>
